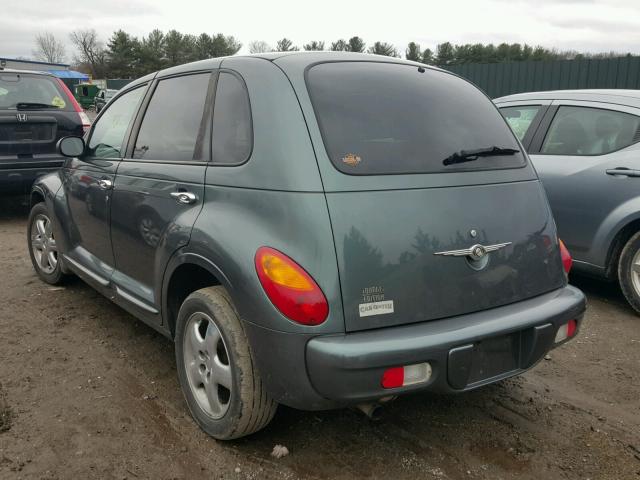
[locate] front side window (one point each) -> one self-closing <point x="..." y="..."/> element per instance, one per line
<point x="520" y="118"/>
<point x="232" y="132"/>
<point x="384" y="118"/>
<point x="590" y="131"/>
<point x="107" y="137"/>
<point x="173" y="127"/>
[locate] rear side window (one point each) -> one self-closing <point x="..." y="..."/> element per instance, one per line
<point x="107" y="135"/>
<point x="383" y="118"/>
<point x="232" y="132"/>
<point x="31" y="91"/>
<point x="520" y="118"/>
<point x="590" y="131"/>
<point x="173" y="127"/>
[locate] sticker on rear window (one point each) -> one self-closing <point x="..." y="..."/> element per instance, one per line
<point x="58" y="102"/>
<point x="351" y="159"/>
<point x="376" y="308"/>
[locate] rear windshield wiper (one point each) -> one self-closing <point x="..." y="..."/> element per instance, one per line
<point x="471" y="155"/>
<point x="27" y="105"/>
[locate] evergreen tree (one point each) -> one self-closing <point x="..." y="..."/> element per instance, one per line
<point x="445" y="54"/>
<point x="356" y="44"/>
<point x="413" y="52"/>
<point x="428" y="58"/>
<point x="383" y="48"/>
<point x="285" y="45"/>
<point x="314" y="45"/>
<point x="339" y="46"/>
<point x="122" y="49"/>
<point x="150" y="53"/>
<point x="174" y="48"/>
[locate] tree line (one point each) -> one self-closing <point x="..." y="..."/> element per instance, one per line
<point x="127" y="56"/>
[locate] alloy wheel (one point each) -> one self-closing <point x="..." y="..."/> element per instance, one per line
<point x="635" y="272"/>
<point x="206" y="361"/>
<point x="45" y="250"/>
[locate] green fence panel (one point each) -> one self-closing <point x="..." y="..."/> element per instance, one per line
<point x="499" y="79"/>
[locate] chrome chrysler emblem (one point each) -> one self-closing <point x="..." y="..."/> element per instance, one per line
<point x="22" y="117"/>
<point x="475" y="252"/>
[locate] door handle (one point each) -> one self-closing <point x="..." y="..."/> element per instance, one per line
<point x="185" y="198"/>
<point x="623" y="172"/>
<point x="105" y="184"/>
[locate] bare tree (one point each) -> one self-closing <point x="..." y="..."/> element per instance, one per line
<point x="49" y="48"/>
<point x="89" y="50"/>
<point x="259" y="46"/>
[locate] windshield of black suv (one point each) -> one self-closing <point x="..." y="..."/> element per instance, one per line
<point x="385" y="118"/>
<point x="24" y="91"/>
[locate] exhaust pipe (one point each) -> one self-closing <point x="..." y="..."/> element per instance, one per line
<point x="371" y="410"/>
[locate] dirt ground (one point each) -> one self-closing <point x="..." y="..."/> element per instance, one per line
<point x="87" y="391"/>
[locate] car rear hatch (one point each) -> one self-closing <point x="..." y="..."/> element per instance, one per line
<point x="424" y="230"/>
<point x="35" y="111"/>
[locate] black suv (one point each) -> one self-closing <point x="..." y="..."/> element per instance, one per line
<point x="36" y="110"/>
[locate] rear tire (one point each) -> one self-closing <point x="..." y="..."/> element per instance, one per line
<point x="43" y="249"/>
<point x="216" y="370"/>
<point x="629" y="271"/>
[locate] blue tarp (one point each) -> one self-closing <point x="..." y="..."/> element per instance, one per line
<point x="69" y="74"/>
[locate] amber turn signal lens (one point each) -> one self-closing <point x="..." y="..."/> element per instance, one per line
<point x="290" y="288"/>
<point x="283" y="273"/>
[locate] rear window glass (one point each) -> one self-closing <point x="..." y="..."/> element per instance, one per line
<point x="31" y="92"/>
<point x="383" y="118"/>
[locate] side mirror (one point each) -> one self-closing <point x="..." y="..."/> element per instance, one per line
<point x="70" y="146"/>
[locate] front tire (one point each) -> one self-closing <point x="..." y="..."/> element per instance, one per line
<point x="43" y="249"/>
<point x="629" y="272"/>
<point x="220" y="382"/>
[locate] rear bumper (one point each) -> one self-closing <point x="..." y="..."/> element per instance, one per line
<point x="347" y="368"/>
<point x="19" y="176"/>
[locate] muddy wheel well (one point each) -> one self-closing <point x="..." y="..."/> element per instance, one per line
<point x="186" y="279"/>
<point x="616" y="247"/>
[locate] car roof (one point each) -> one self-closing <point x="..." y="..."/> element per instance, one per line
<point x="302" y="60"/>
<point x="621" y="97"/>
<point x="22" y="72"/>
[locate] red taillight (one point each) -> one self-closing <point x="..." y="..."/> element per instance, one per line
<point x="86" y="123"/>
<point x="567" y="261"/>
<point x="290" y="288"/>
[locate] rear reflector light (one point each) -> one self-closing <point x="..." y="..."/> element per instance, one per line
<point x="404" y="376"/>
<point x="290" y="288"/>
<point x="566" y="331"/>
<point x="567" y="261"/>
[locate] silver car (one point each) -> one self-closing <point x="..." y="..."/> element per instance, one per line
<point x="584" y="144"/>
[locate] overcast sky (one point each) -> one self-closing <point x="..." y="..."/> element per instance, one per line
<point x="584" y="25"/>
